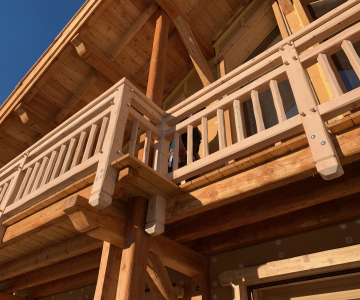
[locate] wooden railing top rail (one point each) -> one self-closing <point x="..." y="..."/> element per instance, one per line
<point x="317" y="31"/>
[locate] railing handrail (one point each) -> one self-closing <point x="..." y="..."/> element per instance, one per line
<point x="63" y="125"/>
<point x="311" y="34"/>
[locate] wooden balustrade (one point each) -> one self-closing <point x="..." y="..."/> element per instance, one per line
<point x="89" y="143"/>
<point x="291" y="67"/>
<point x="94" y="137"/>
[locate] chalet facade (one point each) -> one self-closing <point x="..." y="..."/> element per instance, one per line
<point x="95" y="205"/>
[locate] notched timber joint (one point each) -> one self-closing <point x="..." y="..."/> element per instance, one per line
<point x="126" y="178"/>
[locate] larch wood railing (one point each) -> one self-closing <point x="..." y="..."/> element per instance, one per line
<point x="88" y="142"/>
<point x="94" y="137"/>
<point x="281" y="62"/>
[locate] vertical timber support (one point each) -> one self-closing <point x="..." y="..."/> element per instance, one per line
<point x="108" y="273"/>
<point x="155" y="86"/>
<point x="131" y="284"/>
<point x="322" y="148"/>
<point x="105" y="180"/>
<point x="158" y="279"/>
<point x="200" y="286"/>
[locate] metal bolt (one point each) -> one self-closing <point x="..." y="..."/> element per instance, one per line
<point x="197" y="288"/>
<point x="131" y="90"/>
<point x="119" y="152"/>
<point x="294" y="57"/>
<point x="313" y="109"/>
<point x="281" y="48"/>
<point x="128" y="104"/>
<point x="289" y="43"/>
<point x="96" y="178"/>
<point x="101" y="170"/>
<point x="323" y="143"/>
<point x="302" y="114"/>
<point x="152" y="207"/>
<point x="313" y="136"/>
<point x="286" y="63"/>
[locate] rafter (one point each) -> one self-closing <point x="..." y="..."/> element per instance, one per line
<point x="53" y="254"/>
<point x="53" y="272"/>
<point x="34" y="120"/>
<point x="99" y="61"/>
<point x="255" y="209"/>
<point x="61" y="285"/>
<point x="311" y="218"/>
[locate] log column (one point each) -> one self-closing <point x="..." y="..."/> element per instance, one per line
<point x="108" y="272"/>
<point x="131" y="284"/>
<point x="200" y="286"/>
<point x="155" y="86"/>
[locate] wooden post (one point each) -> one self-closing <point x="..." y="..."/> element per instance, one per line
<point x="158" y="279"/>
<point x="200" y="288"/>
<point x="108" y="273"/>
<point x="105" y="180"/>
<point x="155" y="86"/>
<point x="131" y="284"/>
<point x="321" y="145"/>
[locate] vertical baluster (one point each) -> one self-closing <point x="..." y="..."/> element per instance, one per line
<point x="3" y="191"/>
<point x="101" y="135"/>
<point x="79" y="149"/>
<point x="257" y="111"/>
<point x="68" y="156"/>
<point x="147" y="144"/>
<point x="90" y="142"/>
<point x="40" y="174"/>
<point x="239" y="121"/>
<point x="330" y="76"/>
<point x="133" y="137"/>
<point x="190" y="145"/>
<point x="205" y="137"/>
<point x="353" y="57"/>
<point x="49" y="168"/>
<point x="221" y="128"/>
<point x="24" y="184"/>
<point x="32" y="179"/>
<point x="279" y="106"/>
<point x="59" y="162"/>
<point x="175" y="163"/>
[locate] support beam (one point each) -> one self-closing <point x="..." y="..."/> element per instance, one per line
<point x="200" y="287"/>
<point x="311" y="218"/>
<point x="129" y="35"/>
<point x="100" y="62"/>
<point x="34" y="120"/>
<point x="277" y="202"/>
<point x="179" y="291"/>
<point x="311" y="264"/>
<point x="174" y="12"/>
<point x="126" y="178"/>
<point x="74" y="100"/>
<point x="131" y="283"/>
<point x="4" y="296"/>
<point x="61" y="285"/>
<point x="279" y="172"/>
<point x="155" y="86"/>
<point x="158" y="279"/>
<point x="53" y="254"/>
<point x="75" y="265"/>
<point x="108" y="273"/>
<point x="108" y="225"/>
<point x="194" y="50"/>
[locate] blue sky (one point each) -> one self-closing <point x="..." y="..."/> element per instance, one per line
<point x="27" y="28"/>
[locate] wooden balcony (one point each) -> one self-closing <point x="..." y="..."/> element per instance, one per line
<point x="88" y="149"/>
